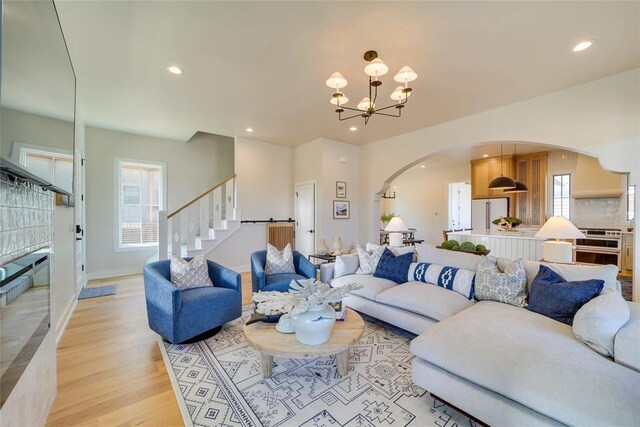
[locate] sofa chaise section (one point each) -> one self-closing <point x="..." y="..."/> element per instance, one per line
<point x="535" y="362"/>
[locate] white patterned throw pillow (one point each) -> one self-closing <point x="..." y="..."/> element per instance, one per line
<point x="279" y="262"/>
<point x="508" y="286"/>
<point x="368" y="261"/>
<point x="190" y="274"/>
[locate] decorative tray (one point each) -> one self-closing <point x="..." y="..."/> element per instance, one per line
<point x="467" y="252"/>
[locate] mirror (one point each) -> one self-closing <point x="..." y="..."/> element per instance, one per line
<point x="37" y="95"/>
<point x="37" y="120"/>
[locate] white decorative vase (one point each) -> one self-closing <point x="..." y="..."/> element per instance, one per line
<point x="323" y="249"/>
<point x="313" y="327"/>
<point x="337" y="245"/>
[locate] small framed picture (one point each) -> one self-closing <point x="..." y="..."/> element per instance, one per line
<point x="341" y="209"/>
<point x="341" y="190"/>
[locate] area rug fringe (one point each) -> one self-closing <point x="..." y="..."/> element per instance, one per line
<point x="186" y="417"/>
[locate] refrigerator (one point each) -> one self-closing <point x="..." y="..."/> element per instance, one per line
<point x="483" y="211"/>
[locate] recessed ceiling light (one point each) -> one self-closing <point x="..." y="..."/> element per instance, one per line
<point x="249" y="130"/>
<point x="485" y="155"/>
<point x="423" y="166"/>
<point x="583" y="45"/>
<point x="173" y="69"/>
<point x="353" y="128"/>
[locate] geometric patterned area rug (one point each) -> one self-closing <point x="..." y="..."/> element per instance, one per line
<point x="218" y="382"/>
<point x="97" y="291"/>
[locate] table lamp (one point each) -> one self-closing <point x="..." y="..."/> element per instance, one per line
<point x="395" y="228"/>
<point x="559" y="227"/>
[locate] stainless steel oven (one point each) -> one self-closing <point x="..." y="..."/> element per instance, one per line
<point x="600" y="246"/>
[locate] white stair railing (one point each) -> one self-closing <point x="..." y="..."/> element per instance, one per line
<point x="201" y="224"/>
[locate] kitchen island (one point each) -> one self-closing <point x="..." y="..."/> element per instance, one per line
<point x="508" y="244"/>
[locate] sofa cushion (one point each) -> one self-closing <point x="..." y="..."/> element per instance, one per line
<point x="428" y="300"/>
<point x="554" y="297"/>
<point x="598" y="321"/>
<point x="368" y="261"/>
<point x="535" y="361"/>
<point x="279" y="262"/>
<point x="455" y="279"/>
<point x="433" y="255"/>
<point x="345" y="264"/>
<point x="190" y="274"/>
<point x="626" y="346"/>
<point x="371" y="286"/>
<point x="280" y="282"/>
<point x="393" y="267"/>
<point x="508" y="285"/>
<point x="572" y="273"/>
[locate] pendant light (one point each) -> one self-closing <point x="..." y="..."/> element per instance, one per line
<point x="502" y="182"/>
<point x="520" y="187"/>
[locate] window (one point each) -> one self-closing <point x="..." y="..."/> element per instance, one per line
<point x="631" y="202"/>
<point x="55" y="167"/>
<point x="561" y="195"/>
<point x="140" y="198"/>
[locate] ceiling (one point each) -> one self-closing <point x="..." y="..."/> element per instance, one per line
<point x="263" y="64"/>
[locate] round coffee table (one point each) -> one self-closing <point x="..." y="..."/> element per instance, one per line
<point x="271" y="343"/>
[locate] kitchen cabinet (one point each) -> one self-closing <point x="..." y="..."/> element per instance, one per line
<point x="531" y="170"/>
<point x="483" y="171"/>
<point x="627" y="251"/>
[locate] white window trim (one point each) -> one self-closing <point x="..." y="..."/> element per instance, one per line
<point x="551" y="186"/>
<point x="149" y="247"/>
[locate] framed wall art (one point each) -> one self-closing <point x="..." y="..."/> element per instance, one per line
<point x="341" y="190"/>
<point x="341" y="209"/>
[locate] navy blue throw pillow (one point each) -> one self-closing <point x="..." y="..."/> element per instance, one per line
<point x="554" y="297"/>
<point x="393" y="267"/>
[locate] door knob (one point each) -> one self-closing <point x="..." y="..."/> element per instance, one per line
<point x="310" y="231"/>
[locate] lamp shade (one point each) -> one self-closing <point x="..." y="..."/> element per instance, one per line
<point x="406" y="74"/>
<point x="399" y="95"/>
<point x="376" y="68"/>
<point x="559" y="227"/>
<point x="396" y="225"/>
<point x="519" y="188"/>
<point x="502" y="183"/>
<point x="343" y="99"/>
<point x="336" y="81"/>
<point x="365" y="104"/>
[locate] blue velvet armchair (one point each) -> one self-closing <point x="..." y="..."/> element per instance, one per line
<point x="179" y="315"/>
<point x="279" y="282"/>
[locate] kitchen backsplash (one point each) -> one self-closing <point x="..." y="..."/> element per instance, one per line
<point x="605" y="213"/>
<point x="26" y="218"/>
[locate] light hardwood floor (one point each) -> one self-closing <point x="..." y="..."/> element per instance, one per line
<point x="110" y="369"/>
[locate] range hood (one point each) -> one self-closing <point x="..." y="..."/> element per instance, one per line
<point x="590" y="181"/>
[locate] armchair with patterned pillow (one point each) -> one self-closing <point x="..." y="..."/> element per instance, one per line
<point x="262" y="281"/>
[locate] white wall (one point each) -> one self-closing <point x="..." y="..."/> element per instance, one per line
<point x="192" y="168"/>
<point x="264" y="190"/>
<point x="422" y="198"/>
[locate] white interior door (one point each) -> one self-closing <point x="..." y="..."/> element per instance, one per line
<point x="79" y="220"/>
<point x="306" y="218"/>
<point x="459" y="205"/>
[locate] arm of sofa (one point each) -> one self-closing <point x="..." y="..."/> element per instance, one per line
<point x="304" y="266"/>
<point x="257" y="270"/>
<point x="326" y="271"/>
<point x="626" y="345"/>
<point x="161" y="295"/>
<point x="222" y="277"/>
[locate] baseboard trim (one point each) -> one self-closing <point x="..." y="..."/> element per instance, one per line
<point x="70" y="309"/>
<point x="107" y="274"/>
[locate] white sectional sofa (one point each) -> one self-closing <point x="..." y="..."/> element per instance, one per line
<point x="501" y="364"/>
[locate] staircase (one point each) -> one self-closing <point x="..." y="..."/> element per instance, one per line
<point x="200" y="225"/>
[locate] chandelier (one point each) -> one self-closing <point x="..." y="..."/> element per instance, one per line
<point x="367" y="107"/>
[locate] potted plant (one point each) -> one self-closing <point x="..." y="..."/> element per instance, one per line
<point x="385" y="218"/>
<point x="307" y="304"/>
<point x="507" y="222"/>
